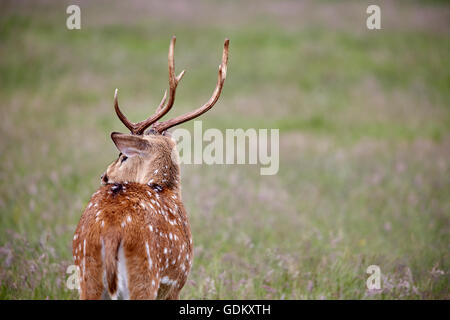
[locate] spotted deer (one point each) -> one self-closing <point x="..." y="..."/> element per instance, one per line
<point x="133" y="240"/>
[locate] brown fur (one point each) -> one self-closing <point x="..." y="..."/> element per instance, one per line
<point x="132" y="214"/>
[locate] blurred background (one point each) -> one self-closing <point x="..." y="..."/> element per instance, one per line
<point x="364" y="125"/>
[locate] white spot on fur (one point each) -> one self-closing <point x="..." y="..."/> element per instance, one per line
<point x="103" y="249"/>
<point x="148" y="255"/>
<point x="84" y="256"/>
<point x="166" y="280"/>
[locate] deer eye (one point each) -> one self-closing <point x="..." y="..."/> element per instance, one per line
<point x="123" y="159"/>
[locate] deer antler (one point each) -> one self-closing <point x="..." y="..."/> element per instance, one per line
<point x="138" y="128"/>
<point x="161" y="126"/>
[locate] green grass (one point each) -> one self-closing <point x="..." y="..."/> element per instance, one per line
<point x="364" y="125"/>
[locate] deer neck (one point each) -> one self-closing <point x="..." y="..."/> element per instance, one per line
<point x="162" y="175"/>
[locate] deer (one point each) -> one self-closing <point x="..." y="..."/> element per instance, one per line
<point x="133" y="240"/>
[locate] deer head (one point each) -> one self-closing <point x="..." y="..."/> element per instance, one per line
<point x="150" y="157"/>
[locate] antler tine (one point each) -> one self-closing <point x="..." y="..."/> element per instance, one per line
<point x="163" y="101"/>
<point x="161" y="126"/>
<point x="125" y="121"/>
<point x="138" y="128"/>
<point x="173" y="83"/>
<point x="135" y="128"/>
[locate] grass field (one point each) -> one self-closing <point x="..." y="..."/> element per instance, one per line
<point x="364" y="119"/>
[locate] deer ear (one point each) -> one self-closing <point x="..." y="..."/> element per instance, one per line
<point x="130" y="145"/>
